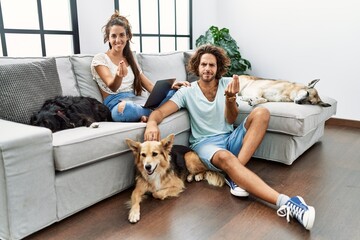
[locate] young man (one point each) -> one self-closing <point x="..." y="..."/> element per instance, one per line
<point x="212" y="107"/>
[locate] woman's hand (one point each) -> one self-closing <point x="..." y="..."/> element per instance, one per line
<point x="177" y="85"/>
<point x="122" y="69"/>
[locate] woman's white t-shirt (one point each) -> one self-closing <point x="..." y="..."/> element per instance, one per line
<point x="104" y="60"/>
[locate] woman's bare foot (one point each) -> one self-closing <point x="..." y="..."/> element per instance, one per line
<point x="144" y="119"/>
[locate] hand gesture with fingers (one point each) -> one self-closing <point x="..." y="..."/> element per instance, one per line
<point x="233" y="87"/>
<point x="122" y="69"/>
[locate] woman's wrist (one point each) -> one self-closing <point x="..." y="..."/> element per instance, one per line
<point x="117" y="76"/>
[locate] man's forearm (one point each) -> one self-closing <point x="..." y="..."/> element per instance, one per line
<point x="155" y="118"/>
<point x="231" y="109"/>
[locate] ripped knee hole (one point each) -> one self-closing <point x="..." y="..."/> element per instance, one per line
<point x="121" y="106"/>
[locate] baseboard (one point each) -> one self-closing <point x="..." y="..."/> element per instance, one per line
<point x="343" y="122"/>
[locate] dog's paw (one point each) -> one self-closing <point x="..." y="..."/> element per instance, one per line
<point x="190" y="178"/>
<point x="252" y="101"/>
<point x="256" y="100"/>
<point x="94" y="125"/>
<point x="134" y="216"/>
<point x="199" y="177"/>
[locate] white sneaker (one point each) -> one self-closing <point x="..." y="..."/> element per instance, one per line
<point x="235" y="189"/>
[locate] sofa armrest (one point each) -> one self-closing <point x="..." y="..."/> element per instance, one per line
<point x="27" y="179"/>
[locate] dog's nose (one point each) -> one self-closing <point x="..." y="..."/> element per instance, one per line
<point x="148" y="167"/>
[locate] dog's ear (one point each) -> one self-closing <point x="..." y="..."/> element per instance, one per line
<point x="167" y="142"/>
<point x="323" y="104"/>
<point x="313" y="82"/>
<point x="134" y="146"/>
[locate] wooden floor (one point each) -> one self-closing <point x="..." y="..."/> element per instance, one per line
<point x="327" y="176"/>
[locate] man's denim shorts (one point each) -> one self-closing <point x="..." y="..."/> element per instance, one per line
<point x="232" y="142"/>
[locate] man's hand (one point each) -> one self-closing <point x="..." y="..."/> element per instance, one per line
<point x="152" y="132"/>
<point x="231" y="91"/>
<point x="233" y="87"/>
<point x="122" y="69"/>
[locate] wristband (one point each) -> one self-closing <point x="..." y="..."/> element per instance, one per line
<point x="231" y="99"/>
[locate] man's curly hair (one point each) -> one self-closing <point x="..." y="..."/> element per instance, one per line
<point x="222" y="60"/>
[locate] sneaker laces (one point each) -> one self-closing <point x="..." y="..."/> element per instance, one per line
<point x="290" y="210"/>
<point x="283" y="211"/>
<point x="231" y="183"/>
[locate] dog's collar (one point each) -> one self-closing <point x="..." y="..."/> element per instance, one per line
<point x="66" y="120"/>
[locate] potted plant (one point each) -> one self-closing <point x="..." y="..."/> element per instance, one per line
<point x="223" y="39"/>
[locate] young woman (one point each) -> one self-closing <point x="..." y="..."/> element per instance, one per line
<point x="118" y="75"/>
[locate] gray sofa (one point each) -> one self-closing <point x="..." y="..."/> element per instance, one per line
<point x="47" y="177"/>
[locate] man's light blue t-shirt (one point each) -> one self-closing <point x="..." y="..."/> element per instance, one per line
<point x="206" y="118"/>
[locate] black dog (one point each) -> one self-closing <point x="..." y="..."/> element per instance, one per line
<point x="64" y="112"/>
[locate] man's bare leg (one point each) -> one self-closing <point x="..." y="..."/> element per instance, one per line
<point x="233" y="166"/>
<point x="256" y="125"/>
<point x="243" y="177"/>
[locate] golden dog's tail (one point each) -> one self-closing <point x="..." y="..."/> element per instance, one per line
<point x="214" y="178"/>
<point x="198" y="171"/>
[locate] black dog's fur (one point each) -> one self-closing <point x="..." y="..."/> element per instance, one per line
<point x="64" y="112"/>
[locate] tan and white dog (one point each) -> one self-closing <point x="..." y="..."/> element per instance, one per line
<point x="255" y="90"/>
<point x="162" y="169"/>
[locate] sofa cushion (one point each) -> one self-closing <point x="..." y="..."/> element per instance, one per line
<point x="25" y="87"/>
<point x="286" y="148"/>
<point x="158" y="66"/>
<point x="67" y="78"/>
<point x="190" y="77"/>
<point x="87" y="86"/>
<point x="291" y="118"/>
<point x="64" y="68"/>
<point x="80" y="146"/>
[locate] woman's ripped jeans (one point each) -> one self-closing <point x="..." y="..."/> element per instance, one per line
<point x="124" y="110"/>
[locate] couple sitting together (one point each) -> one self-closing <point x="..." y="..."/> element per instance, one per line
<point x="220" y="146"/>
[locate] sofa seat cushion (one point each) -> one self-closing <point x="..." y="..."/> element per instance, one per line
<point x="291" y="118"/>
<point x="80" y="146"/>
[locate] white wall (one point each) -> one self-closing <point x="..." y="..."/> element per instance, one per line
<point x="92" y="16"/>
<point x="298" y="40"/>
<point x="205" y="14"/>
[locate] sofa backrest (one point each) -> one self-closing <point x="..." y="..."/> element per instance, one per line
<point x="81" y="64"/>
<point x="158" y="66"/>
<point x="67" y="79"/>
<point x="76" y="78"/>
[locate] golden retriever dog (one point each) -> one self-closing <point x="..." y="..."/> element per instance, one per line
<point x="162" y="169"/>
<point x="256" y="90"/>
